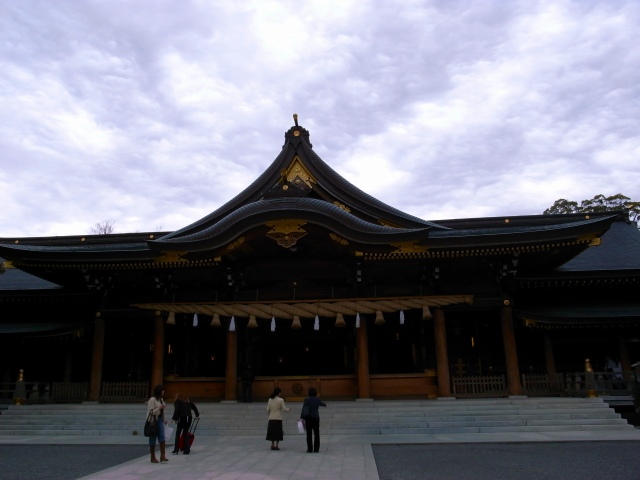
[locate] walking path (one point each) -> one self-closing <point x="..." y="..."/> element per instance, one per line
<point x="341" y="457"/>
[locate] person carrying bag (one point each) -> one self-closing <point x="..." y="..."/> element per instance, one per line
<point x="155" y="409"/>
<point x="182" y="416"/>
<point x="311" y="416"/>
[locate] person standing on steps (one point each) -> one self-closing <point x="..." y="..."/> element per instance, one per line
<point x="156" y="406"/>
<point x="182" y="408"/>
<point x="247" y="383"/>
<point x="275" y="407"/>
<point x="311" y="416"/>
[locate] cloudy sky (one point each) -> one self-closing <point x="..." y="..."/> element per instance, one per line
<point x="153" y="113"/>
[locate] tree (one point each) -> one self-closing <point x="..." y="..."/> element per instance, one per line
<point x="104" y="228"/>
<point x="599" y="203"/>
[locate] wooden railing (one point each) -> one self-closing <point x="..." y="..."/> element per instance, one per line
<point x="124" y="391"/>
<point x="569" y="384"/>
<point x="480" y="386"/>
<point x="44" y="392"/>
<point x="542" y="384"/>
<point x="69" y="391"/>
<point x="608" y="383"/>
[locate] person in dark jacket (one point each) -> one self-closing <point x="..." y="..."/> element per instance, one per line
<point x="311" y="417"/>
<point x="247" y="382"/>
<point x="182" y="407"/>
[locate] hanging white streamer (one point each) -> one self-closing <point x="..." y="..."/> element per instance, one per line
<point x="357" y="320"/>
<point x="401" y="317"/>
<point x="316" y="324"/>
<point x="195" y="319"/>
<point x="273" y="323"/>
<point x="232" y="324"/>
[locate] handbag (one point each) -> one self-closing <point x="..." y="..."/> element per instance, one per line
<point x="301" y="426"/>
<point x="151" y="426"/>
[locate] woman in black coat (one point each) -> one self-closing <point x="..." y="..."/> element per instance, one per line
<point x="311" y="417"/>
<point x="182" y="416"/>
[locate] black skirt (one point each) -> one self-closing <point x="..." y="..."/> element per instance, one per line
<point x="274" y="430"/>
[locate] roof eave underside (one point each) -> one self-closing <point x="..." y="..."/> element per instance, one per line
<point x="77" y="253"/>
<point x="583" y="314"/>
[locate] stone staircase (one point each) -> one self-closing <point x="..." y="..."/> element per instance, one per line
<point x="379" y="417"/>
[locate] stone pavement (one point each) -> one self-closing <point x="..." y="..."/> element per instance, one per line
<point x="341" y="457"/>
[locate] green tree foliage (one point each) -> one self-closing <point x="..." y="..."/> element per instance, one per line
<point x="599" y="203"/>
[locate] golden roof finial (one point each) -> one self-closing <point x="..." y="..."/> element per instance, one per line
<point x="295" y="118"/>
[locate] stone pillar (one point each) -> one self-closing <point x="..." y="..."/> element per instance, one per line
<point x="442" y="355"/>
<point x="157" y="361"/>
<point x="510" y="352"/>
<point x="231" y="371"/>
<point x="363" y="360"/>
<point x="97" y="359"/>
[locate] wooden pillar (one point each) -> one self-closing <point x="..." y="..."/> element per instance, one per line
<point x="97" y="359"/>
<point x="157" y="367"/>
<point x="363" y="360"/>
<point x="68" y="363"/>
<point x="510" y="352"/>
<point x="231" y="371"/>
<point x="548" y="354"/>
<point x="623" y="352"/>
<point x="442" y="356"/>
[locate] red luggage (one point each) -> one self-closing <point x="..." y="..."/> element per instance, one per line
<point x="191" y="434"/>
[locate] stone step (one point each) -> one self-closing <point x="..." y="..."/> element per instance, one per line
<point x="339" y="418"/>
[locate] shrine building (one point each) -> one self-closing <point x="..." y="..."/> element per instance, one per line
<point x="314" y="282"/>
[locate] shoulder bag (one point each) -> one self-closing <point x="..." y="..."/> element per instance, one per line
<point x="150" y="426"/>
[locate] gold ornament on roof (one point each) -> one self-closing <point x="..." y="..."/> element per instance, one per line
<point x="297" y="173"/>
<point x="342" y="206"/>
<point x="339" y="239"/>
<point x="286" y="232"/>
<point x="235" y="244"/>
<point x="408" y="247"/>
<point x="170" y="257"/>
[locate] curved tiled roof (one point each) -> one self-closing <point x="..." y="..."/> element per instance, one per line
<point x="328" y="180"/>
<point x="84" y="252"/>
<point x="328" y="201"/>
<point x="620" y="250"/>
<point x="527" y="233"/>
<point x="310" y="210"/>
<point x="351" y="195"/>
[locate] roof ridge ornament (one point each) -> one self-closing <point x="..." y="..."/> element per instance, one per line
<point x="297" y="134"/>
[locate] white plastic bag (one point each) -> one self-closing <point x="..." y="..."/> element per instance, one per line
<point x="301" y="426"/>
<point x="168" y="432"/>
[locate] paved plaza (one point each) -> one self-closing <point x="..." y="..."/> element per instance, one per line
<point x="522" y="456"/>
